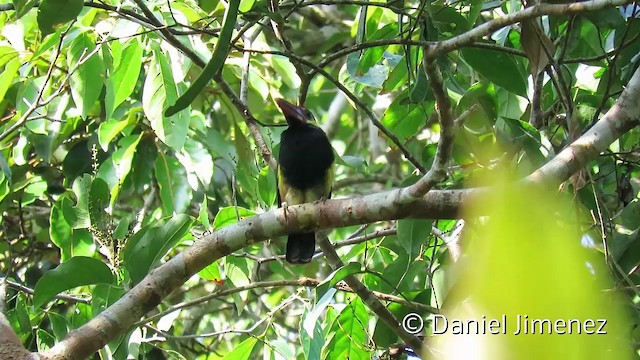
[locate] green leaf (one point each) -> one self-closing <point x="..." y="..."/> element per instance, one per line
<point x="44" y="340"/>
<point x="242" y="351"/>
<point x="397" y="77"/>
<point x="78" y="271"/>
<point x="197" y="160"/>
<point x="122" y="161"/>
<point x="160" y="89"/>
<point x="238" y="272"/>
<point x="267" y="186"/>
<point x="246" y="168"/>
<point x="56" y="12"/>
<point x="211" y="272"/>
<point x="150" y="244"/>
<point x="336" y="276"/>
<point x="23" y="6"/>
<point x="86" y="82"/>
<point x="108" y="130"/>
<point x="172" y="181"/>
<point x="59" y="325"/>
<point x="350" y="340"/>
<point x="355" y="162"/>
<point x="203" y="215"/>
<point x="519" y="135"/>
<point x="103" y="296"/>
<point x="231" y="215"/>
<point x="404" y="118"/>
<point x="312" y="342"/>
<point x="122" y="81"/>
<point x="420" y="88"/>
<point x="7" y="76"/>
<point x="80" y="218"/>
<point x="498" y="67"/>
<point x="98" y="202"/>
<point x="71" y="242"/>
<point x="373" y="55"/>
<point x="412" y="234"/>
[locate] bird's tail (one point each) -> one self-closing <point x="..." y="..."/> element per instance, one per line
<point x="300" y="247"/>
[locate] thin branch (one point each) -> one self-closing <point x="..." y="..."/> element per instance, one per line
<point x="305" y="282"/>
<point x="63" y="297"/>
<point x="374" y="119"/>
<point x="438" y="169"/>
<point x="366" y="295"/>
<point x="491" y="26"/>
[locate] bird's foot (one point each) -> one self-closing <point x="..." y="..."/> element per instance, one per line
<point x="285" y="209"/>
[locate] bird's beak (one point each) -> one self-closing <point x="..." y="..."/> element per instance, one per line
<point x="291" y="112"/>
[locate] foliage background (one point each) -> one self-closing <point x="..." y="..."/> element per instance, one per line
<point x="98" y="185"/>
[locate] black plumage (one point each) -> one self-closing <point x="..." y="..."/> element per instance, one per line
<point x="305" y="172"/>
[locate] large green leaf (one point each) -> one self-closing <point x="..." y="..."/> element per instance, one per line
<point x="172" y="181"/>
<point x="159" y="90"/>
<point x="147" y="247"/>
<point x="122" y="81"/>
<point x="77" y="271"/>
<point x="56" y="12"/>
<point x="336" y="276"/>
<point x="405" y="118"/>
<point x="498" y="67"/>
<point x="230" y="215"/>
<point x="351" y="339"/>
<point x="413" y="234"/>
<point x="71" y="242"/>
<point x="243" y="350"/>
<point x="86" y="82"/>
<point x="7" y="76"/>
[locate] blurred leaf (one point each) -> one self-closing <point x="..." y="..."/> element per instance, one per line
<point x="523" y="136"/>
<point x="55" y="12"/>
<point x="373" y="55"/>
<point x="98" y="202"/>
<point x="525" y="260"/>
<point x="44" y="340"/>
<point x="216" y="62"/>
<point x="109" y="130"/>
<point x="77" y="271"/>
<point x="242" y="351"/>
<point x="103" y="296"/>
<point x="211" y="272"/>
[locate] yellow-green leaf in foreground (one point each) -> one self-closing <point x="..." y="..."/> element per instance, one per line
<point x="525" y="265"/>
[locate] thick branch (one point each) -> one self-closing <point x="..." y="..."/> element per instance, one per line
<point x="322" y="215"/>
<point x="622" y="117"/>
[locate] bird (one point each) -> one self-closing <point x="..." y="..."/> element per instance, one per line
<point x="305" y="172"/>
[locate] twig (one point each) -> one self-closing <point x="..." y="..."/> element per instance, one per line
<point x="366" y="295"/>
<point x="63" y="297"/>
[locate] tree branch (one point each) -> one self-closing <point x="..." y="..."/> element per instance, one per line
<point x="164" y="279"/>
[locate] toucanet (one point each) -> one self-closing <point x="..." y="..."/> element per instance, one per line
<point x="305" y="172"/>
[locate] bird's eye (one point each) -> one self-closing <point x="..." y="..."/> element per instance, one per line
<point x="308" y="115"/>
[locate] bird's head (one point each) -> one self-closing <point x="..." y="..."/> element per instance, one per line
<point x="295" y="115"/>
